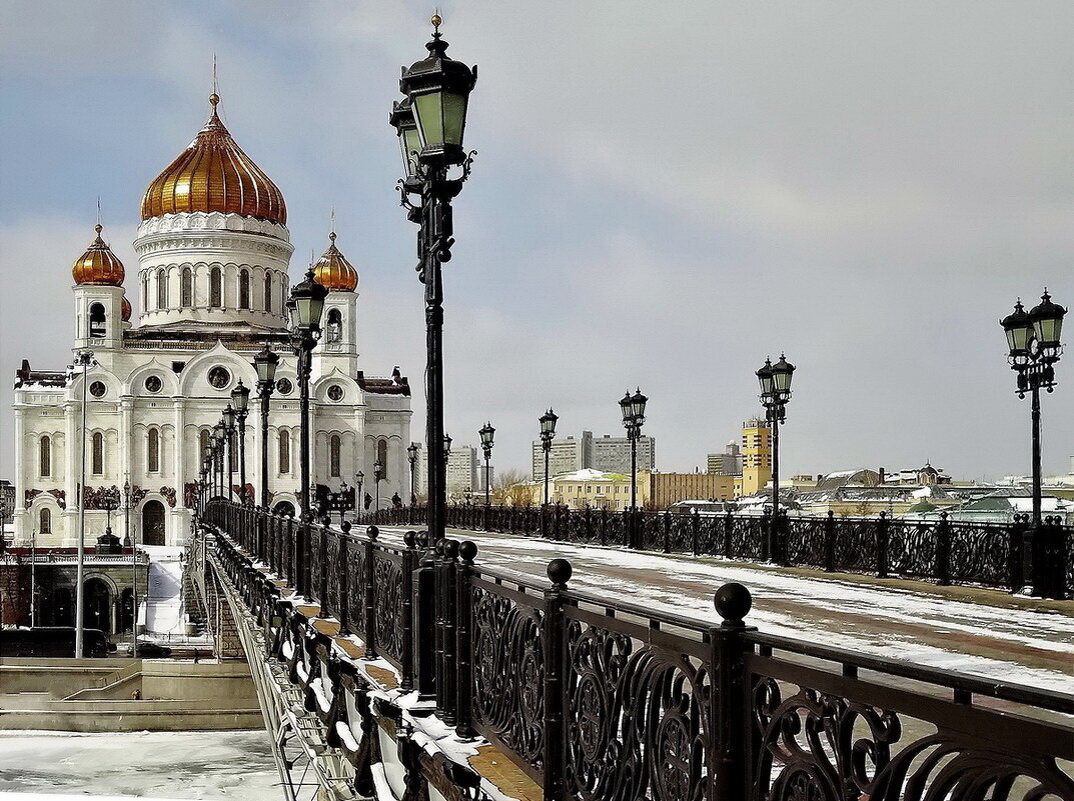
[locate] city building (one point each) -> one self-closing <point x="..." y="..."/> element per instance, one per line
<point x="605" y="454"/>
<point x="213" y="250"/>
<point x="465" y="472"/>
<point x="728" y="463"/>
<point x="587" y="487"/>
<point x="756" y="456"/>
<point x="667" y="488"/>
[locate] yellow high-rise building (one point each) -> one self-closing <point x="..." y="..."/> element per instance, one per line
<point x="756" y="456"/>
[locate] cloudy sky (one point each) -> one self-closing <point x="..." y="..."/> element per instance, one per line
<point x="664" y="193"/>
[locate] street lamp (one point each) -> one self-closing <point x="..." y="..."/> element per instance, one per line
<point x="132" y="542"/>
<point x="127" y="512"/>
<point x="775" y="380"/>
<point x="487" y="432"/>
<point x="378" y="476"/>
<point x="359" y="478"/>
<point x="83" y="359"/>
<point x="265" y="363"/>
<point x="632" y="408"/>
<point x="430" y="122"/>
<point x="305" y="306"/>
<point x="412" y="458"/>
<point x="229" y="418"/>
<point x="218" y="455"/>
<point x="1033" y="340"/>
<point x="548" y="433"/>
<point x="240" y="399"/>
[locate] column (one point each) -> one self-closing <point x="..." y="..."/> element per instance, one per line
<point x="179" y="515"/>
<point x="22" y="473"/>
<point x="72" y="461"/>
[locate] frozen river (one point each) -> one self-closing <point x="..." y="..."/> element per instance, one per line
<point x="174" y="765"/>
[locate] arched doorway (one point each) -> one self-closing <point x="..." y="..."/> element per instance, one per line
<point x="153" y="523"/>
<point x="59" y="611"/>
<point x="285" y="508"/>
<point x="98" y="600"/>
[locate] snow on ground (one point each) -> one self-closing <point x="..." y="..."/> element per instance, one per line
<point x="1020" y="644"/>
<point x="217" y="765"/>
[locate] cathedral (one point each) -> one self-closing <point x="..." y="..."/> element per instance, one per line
<point x="213" y="249"/>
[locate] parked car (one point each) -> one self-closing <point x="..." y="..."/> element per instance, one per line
<point x="54" y="642"/>
<point x="152" y="650"/>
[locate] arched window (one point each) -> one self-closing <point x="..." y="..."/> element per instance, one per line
<point x="152" y="457"/>
<point x="382" y="455"/>
<point x="145" y="291"/>
<point x="214" y="288"/>
<point x="203" y="445"/>
<point x="334" y="329"/>
<point x="285" y="452"/>
<point x="162" y="289"/>
<point x="268" y="291"/>
<point x="334" y="447"/>
<point x="96" y="320"/>
<point x="44" y="453"/>
<point x="244" y="289"/>
<point x="97" y="459"/>
<point x="186" y="288"/>
<point x="45" y="518"/>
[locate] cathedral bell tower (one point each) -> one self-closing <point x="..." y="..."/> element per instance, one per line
<point x="101" y="310"/>
<point x="338" y="347"/>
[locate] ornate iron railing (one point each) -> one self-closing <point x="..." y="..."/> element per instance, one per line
<point x="1009" y="556"/>
<point x="599" y="700"/>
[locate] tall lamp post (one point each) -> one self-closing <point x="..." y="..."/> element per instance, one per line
<point x="359" y="478"/>
<point x="265" y="363"/>
<point x="775" y="382"/>
<point x="306" y="305"/>
<point x="378" y="476"/>
<point x="240" y="400"/>
<point x="1033" y="340"/>
<point x="430" y="123"/>
<point x="632" y="408"/>
<point x="83" y="359"/>
<point x="548" y="433"/>
<point x="229" y="429"/>
<point x="487" y="432"/>
<point x="412" y="458"/>
<point x="219" y="436"/>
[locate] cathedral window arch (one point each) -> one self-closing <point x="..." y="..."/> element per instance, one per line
<point x="44" y="525"/>
<point x="285" y="451"/>
<point x="268" y="291"/>
<point x="335" y="447"/>
<point x="97" y="454"/>
<point x="382" y="455"/>
<point x="244" y="289"/>
<point x="162" y="289"/>
<point x="44" y="456"/>
<point x="334" y="327"/>
<point x="152" y="451"/>
<point x="186" y="288"/>
<point x="96" y="320"/>
<point x="215" y="281"/>
<point x="145" y="291"/>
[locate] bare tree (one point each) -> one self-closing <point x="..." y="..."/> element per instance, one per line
<point x="509" y="488"/>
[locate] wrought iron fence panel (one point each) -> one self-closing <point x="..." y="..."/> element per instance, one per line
<point x="912" y="548"/>
<point x="356" y="585"/>
<point x="681" y="533"/>
<point x="805" y="540"/>
<point x="747" y="537"/>
<point x="824" y="734"/>
<point x="637" y="722"/>
<point x="615" y="529"/>
<point x="980" y="553"/>
<point x="650" y="531"/>
<point x="388" y="604"/>
<point x="508" y="672"/>
<point x="316" y="552"/>
<point x="574" y="527"/>
<point x="710" y="533"/>
<point x="856" y="544"/>
<point x="331" y="562"/>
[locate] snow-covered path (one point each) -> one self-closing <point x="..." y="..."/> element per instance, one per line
<point x="1008" y="640"/>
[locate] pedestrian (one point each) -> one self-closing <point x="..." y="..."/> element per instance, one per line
<point x="196" y="656"/>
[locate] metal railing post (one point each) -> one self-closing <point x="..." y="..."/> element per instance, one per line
<point x="345" y="544"/>
<point x="425" y="620"/>
<point x="728" y="530"/>
<point x="729" y="727"/>
<point x="553" y="634"/>
<point x="406" y="612"/>
<point x="450" y="687"/>
<point x="464" y="688"/>
<point x="370" y="599"/>
<point x="943" y="551"/>
<point x="829" y="542"/>
<point x="882" y="537"/>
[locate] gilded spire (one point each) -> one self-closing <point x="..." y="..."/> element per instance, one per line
<point x="98" y="264"/>
<point x="332" y="270"/>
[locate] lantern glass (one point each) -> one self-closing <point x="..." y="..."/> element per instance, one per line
<point x="624" y="407"/>
<point x="229" y="416"/>
<point x="1019" y="328"/>
<point x="487" y="433"/>
<point x="240" y="398"/>
<point x="781" y="375"/>
<point x="548" y="423"/>
<point x="764" y="375"/>
<point x="265" y="362"/>
<point x="1047" y="320"/>
<point x="637" y="406"/>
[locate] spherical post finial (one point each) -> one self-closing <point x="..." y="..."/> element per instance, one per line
<point x="436" y="20"/>
<point x="559" y="573"/>
<point x="733" y="602"/>
<point x="214" y="100"/>
<point x="467" y="550"/>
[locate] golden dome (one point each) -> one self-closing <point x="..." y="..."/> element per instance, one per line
<point x="333" y="271"/>
<point x="126" y="310"/>
<point x="98" y="265"/>
<point x="214" y="174"/>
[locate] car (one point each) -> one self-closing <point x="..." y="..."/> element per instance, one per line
<point x="152" y="650"/>
<point x="53" y="642"/>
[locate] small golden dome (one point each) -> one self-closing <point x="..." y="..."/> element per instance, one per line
<point x="98" y="265"/>
<point x="126" y="310"/>
<point x="214" y="174"/>
<point x="333" y="271"/>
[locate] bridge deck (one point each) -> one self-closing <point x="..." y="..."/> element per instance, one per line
<point x="985" y="632"/>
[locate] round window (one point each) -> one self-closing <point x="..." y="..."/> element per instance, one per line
<point x="96" y="389"/>
<point x="219" y="377"/>
<point x="284" y="386"/>
<point x="153" y="383"/>
<point x="335" y="392"/>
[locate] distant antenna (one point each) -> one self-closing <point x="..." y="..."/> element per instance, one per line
<point x="215" y="86"/>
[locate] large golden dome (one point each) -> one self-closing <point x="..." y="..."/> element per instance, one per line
<point x="333" y="271"/>
<point x="98" y="265"/>
<point x="214" y="174"/>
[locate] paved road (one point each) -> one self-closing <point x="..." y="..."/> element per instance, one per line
<point x="982" y="632"/>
